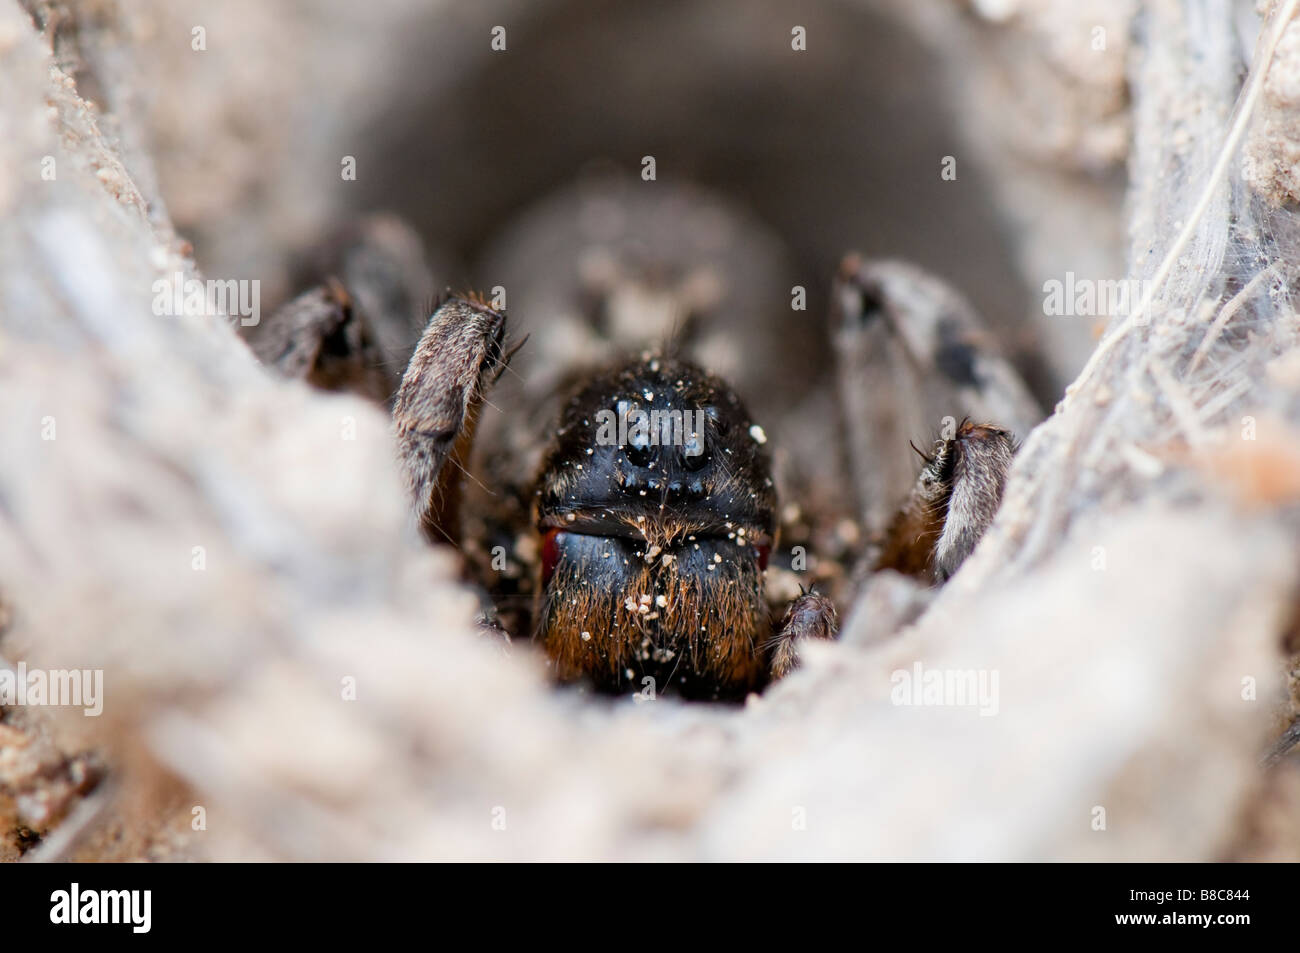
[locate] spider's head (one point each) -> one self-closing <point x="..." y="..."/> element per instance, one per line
<point x="657" y="512"/>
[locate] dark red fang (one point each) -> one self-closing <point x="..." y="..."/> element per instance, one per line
<point x="550" y="553"/>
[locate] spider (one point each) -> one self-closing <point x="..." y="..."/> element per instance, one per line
<point x="623" y="512"/>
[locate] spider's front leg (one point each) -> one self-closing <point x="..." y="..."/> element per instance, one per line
<point x="354" y="330"/>
<point x="952" y="503"/>
<point x="458" y="359"/>
<point x="323" y="337"/>
<point x="810" y="616"/>
<point x="912" y="355"/>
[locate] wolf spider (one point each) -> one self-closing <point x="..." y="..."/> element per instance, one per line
<point x="624" y="512"/>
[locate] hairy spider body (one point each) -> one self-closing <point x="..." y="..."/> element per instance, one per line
<point x="654" y="549"/>
<point x="622" y="512"/>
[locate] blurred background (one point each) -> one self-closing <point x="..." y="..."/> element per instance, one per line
<point x="212" y="138"/>
<point x="812" y="152"/>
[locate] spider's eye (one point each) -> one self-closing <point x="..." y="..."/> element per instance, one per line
<point x="764" y="552"/>
<point x="639" y="451"/>
<point x="692" y="451"/>
<point x="550" y="554"/>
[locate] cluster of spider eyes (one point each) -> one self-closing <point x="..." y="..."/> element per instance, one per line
<point x="654" y="428"/>
<point x="641" y="452"/>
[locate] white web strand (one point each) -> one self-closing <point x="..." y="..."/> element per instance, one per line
<point x="1241" y="119"/>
